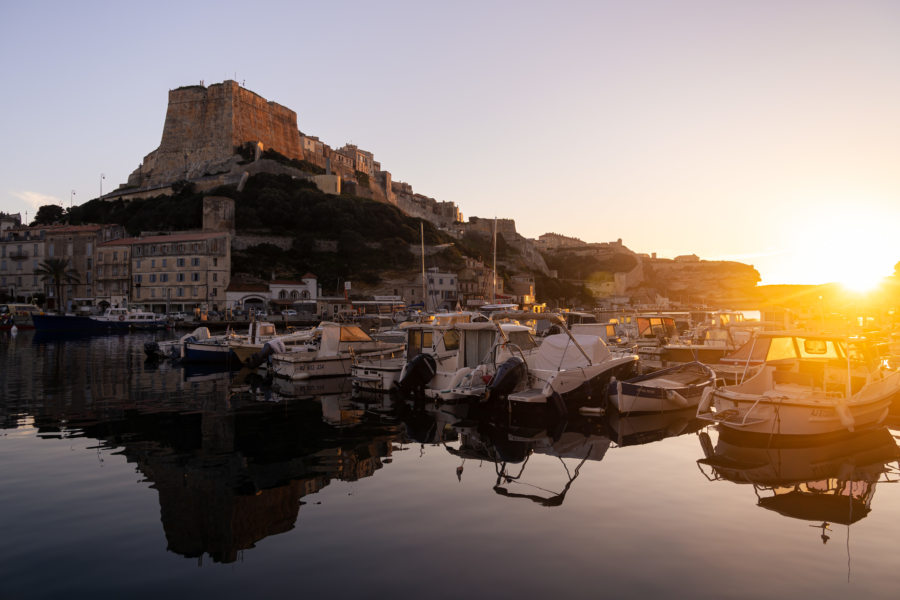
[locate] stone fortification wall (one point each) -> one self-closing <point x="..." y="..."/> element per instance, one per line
<point x="244" y="241"/>
<point x="441" y="214"/>
<point x="203" y="126"/>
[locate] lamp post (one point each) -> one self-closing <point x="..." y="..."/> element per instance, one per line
<point x="71" y="199"/>
<point x="102" y="177"/>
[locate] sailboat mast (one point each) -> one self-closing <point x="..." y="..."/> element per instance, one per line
<point x="494" y="278"/>
<point x="424" y="287"/>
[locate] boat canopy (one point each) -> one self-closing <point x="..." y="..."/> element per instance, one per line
<point x="558" y="351"/>
<point x="334" y="334"/>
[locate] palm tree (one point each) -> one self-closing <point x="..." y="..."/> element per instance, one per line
<point x="57" y="270"/>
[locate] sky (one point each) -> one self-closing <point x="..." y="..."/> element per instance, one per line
<point x="766" y="132"/>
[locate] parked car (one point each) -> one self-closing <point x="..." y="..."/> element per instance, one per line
<point x="179" y="316"/>
<point x="289" y="313"/>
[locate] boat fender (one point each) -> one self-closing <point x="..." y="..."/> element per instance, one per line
<point x="847" y="419"/>
<point x="507" y="376"/>
<point x="558" y="405"/>
<point x="418" y="373"/>
<point x="458" y="377"/>
<point x="121" y="317"/>
<point x="705" y="400"/>
<point x="677" y="398"/>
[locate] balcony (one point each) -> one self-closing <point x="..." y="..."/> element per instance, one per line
<point x="18" y="255"/>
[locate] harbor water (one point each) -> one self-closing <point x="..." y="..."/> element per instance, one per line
<point x="123" y="478"/>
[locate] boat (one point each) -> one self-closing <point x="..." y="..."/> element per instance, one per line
<point x="435" y="338"/>
<point x="674" y="388"/>
<point x="805" y="384"/>
<point x="263" y="341"/>
<point x="570" y="371"/>
<point x="18" y="316"/>
<point x="481" y="347"/>
<point x="174" y="349"/>
<point x="332" y="354"/>
<point x="213" y="349"/>
<point x="112" y="320"/>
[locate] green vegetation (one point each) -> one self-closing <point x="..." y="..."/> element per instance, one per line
<point x="570" y="265"/>
<point x="183" y="210"/>
<point x="57" y="271"/>
<point x="372" y="237"/>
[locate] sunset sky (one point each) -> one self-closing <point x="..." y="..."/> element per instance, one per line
<point x="763" y="132"/>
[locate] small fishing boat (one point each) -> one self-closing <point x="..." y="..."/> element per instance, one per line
<point x="806" y="384"/>
<point x="675" y="388"/>
<point x="337" y="345"/>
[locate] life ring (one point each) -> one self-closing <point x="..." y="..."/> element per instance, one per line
<point x="121" y="317"/>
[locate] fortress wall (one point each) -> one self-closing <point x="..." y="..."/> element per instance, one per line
<point x="203" y="126"/>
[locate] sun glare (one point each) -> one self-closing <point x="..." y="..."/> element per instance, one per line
<point x="856" y="252"/>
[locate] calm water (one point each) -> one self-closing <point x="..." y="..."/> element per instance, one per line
<point x="119" y="478"/>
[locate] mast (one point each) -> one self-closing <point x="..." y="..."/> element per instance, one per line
<point x="424" y="286"/>
<point x="494" y="278"/>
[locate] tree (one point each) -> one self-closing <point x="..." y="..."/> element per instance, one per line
<point x="49" y="214"/>
<point x="57" y="270"/>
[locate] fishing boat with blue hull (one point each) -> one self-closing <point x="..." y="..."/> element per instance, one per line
<point x="675" y="388"/>
<point x="113" y="320"/>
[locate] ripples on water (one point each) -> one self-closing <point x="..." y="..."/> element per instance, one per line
<point x="120" y="477"/>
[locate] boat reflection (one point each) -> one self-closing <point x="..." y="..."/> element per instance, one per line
<point x="644" y="428"/>
<point x="511" y="448"/>
<point x="826" y="483"/>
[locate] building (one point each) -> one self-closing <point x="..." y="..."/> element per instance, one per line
<point x="21" y="253"/>
<point x="288" y="293"/>
<point x="77" y="243"/>
<point x="181" y="271"/>
<point x="112" y="273"/>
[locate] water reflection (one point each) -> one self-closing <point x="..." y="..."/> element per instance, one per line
<point x="510" y="449"/>
<point x="635" y="429"/>
<point x="825" y="483"/>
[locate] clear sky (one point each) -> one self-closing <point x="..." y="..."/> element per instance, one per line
<point x="761" y="131"/>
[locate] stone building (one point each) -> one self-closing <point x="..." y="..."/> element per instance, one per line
<point x="180" y="271"/>
<point x="21" y="252"/>
<point x="78" y="243"/>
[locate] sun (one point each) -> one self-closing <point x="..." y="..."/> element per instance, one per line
<point x="857" y="253"/>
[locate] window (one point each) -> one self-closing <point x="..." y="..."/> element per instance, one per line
<point x="195" y="277"/>
<point x="180" y="262"/>
<point x="215" y="276"/>
<point x="195" y="262"/>
<point x="179" y="277"/>
<point x="152" y="263"/>
<point x="137" y="278"/>
<point x="137" y="264"/>
<point x="90" y="263"/>
<point x="180" y="292"/>
<point x="153" y="292"/>
<point x="215" y="261"/>
<point x="282" y="295"/>
<point x="152" y="277"/>
<point x="165" y="260"/>
<point x="164" y="277"/>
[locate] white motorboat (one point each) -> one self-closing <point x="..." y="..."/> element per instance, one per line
<point x="435" y="338"/>
<point x="331" y="354"/>
<point x="807" y="384"/>
<point x="482" y="347"/>
<point x="675" y="388"/>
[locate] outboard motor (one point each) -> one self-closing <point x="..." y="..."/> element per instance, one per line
<point x="508" y="375"/>
<point x="269" y="348"/>
<point x="418" y="373"/>
<point x="151" y="349"/>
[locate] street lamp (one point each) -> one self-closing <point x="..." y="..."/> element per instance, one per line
<point x="102" y="177"/>
<point x="71" y="199"/>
